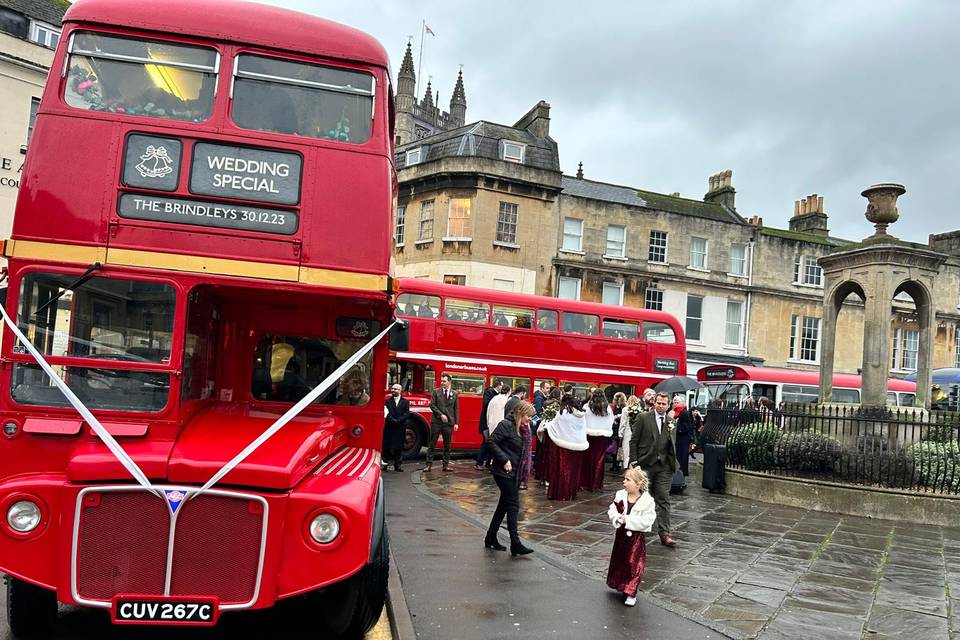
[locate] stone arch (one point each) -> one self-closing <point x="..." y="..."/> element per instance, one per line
<point x="833" y="302"/>
<point x="926" y="320"/>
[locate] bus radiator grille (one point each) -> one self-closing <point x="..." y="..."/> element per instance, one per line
<point x="217" y="548"/>
<point x="122" y="544"/>
<point x="123" y="538"/>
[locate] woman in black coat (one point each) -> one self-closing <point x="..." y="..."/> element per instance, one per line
<point x="507" y="447"/>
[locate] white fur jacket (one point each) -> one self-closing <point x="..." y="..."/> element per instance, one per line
<point x="640" y="518"/>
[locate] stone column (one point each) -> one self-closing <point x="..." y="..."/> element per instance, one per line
<point x="926" y="317"/>
<point x="876" y="341"/>
<point x="831" y="310"/>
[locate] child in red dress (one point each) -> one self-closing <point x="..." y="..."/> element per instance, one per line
<point x="632" y="512"/>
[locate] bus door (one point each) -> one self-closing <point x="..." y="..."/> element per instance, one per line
<point x="768" y="391"/>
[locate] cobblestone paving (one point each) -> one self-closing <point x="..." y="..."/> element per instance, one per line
<point x="755" y="569"/>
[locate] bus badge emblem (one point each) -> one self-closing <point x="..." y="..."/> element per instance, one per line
<point x="360" y="329"/>
<point x="155" y="163"/>
<point x="175" y="498"/>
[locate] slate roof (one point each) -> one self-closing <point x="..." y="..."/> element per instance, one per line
<point x="482" y="139"/>
<point x="629" y="196"/>
<point x="49" y="11"/>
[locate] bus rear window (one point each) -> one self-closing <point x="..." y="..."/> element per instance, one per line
<point x="302" y="99"/>
<point x="140" y="77"/>
<point x="581" y="323"/>
<point x="623" y="329"/>
<point x="658" y="332"/>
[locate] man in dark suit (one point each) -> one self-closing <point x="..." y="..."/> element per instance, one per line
<point x="394" y="427"/>
<point x="443" y="406"/>
<point x="488" y="395"/>
<point x="653" y="448"/>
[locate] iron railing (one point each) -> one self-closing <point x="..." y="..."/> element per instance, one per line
<point x="913" y="450"/>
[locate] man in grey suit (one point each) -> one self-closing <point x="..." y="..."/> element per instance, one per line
<point x="653" y="448"/>
<point x="443" y="406"/>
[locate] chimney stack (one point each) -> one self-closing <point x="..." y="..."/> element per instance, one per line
<point x="537" y="120"/>
<point x="721" y="190"/>
<point x="809" y="217"/>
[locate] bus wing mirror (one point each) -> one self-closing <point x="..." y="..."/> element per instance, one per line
<point x="400" y="336"/>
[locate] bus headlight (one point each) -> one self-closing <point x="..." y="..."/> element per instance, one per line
<point x="23" y="516"/>
<point x="325" y="528"/>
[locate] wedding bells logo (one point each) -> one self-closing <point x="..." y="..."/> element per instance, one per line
<point x="155" y="163"/>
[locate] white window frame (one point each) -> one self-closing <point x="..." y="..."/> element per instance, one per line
<point x="561" y="280"/>
<point x="910" y="350"/>
<point x="503" y="222"/>
<point x="798" y="325"/>
<point x="578" y="236"/>
<point x="612" y="285"/>
<point x="698" y="319"/>
<point x="466" y="229"/>
<point x="421" y="237"/>
<point x="503" y="285"/>
<point x="956" y="340"/>
<point x="511" y="151"/>
<point x="414" y="156"/>
<point x="656" y="299"/>
<point x="694" y="254"/>
<point x="43" y="34"/>
<point x="399" y="229"/>
<point x="738" y="324"/>
<point x="665" y="246"/>
<point x="806" y="272"/>
<point x="621" y="253"/>
<point x="742" y="273"/>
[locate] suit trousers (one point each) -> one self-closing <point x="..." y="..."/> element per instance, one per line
<point x="435" y="431"/>
<point x="483" y="455"/>
<point x="683" y="451"/>
<point x="508" y="505"/>
<point x="660" y="480"/>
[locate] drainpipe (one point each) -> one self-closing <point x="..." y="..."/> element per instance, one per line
<point x="746" y="331"/>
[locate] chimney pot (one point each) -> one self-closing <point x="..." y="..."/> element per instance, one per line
<point x="819" y="204"/>
<point x="796" y="208"/>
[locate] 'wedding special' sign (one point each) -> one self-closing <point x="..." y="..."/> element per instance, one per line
<point x="223" y="171"/>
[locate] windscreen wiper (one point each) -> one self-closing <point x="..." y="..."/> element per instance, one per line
<point x="79" y="281"/>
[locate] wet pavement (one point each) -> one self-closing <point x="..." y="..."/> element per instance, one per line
<point x="752" y="569"/>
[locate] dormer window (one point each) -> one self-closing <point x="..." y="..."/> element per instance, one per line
<point x="512" y="151"/>
<point x="414" y="156"/>
<point x="44" y="35"/>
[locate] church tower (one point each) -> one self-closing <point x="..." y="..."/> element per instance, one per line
<point x="405" y="100"/>
<point x="458" y="104"/>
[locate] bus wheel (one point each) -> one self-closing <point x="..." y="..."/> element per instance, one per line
<point x="355" y="607"/>
<point x="31" y="610"/>
<point x="414" y="437"/>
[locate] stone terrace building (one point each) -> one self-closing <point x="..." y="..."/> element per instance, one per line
<point x="477" y="204"/>
<point x="486" y="205"/>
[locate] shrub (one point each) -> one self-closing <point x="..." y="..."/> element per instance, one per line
<point x="937" y="464"/>
<point x="892" y="469"/>
<point x="751" y="445"/>
<point x="942" y="432"/>
<point x="806" y="451"/>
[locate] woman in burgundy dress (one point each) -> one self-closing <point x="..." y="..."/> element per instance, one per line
<point x="568" y="445"/>
<point x="632" y="512"/>
<point x="598" y="419"/>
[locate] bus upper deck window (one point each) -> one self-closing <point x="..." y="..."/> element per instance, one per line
<point x="416" y="305"/>
<point x="546" y="320"/>
<point x="581" y="323"/>
<point x="658" y="332"/>
<point x="140" y="77"/>
<point x="467" y="311"/>
<point x="623" y="329"/>
<point x="302" y="99"/>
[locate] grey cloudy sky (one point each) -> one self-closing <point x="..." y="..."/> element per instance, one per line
<point x="795" y="97"/>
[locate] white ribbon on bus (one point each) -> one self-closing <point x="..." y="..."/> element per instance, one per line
<point x="124" y="458"/>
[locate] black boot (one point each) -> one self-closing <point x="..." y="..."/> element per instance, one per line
<point x="491" y="542"/>
<point x="517" y="549"/>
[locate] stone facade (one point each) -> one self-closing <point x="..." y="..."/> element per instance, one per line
<point x="754" y="293"/>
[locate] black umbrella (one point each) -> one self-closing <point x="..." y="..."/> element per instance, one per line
<point x="676" y="384"/>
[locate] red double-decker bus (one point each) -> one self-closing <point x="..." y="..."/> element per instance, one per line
<point x="189" y="420"/>
<point x="479" y="335"/>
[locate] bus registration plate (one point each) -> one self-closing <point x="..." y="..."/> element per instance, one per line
<point x="137" y="609"/>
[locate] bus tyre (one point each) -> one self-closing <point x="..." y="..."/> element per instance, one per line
<point x="414" y="438"/>
<point x="357" y="606"/>
<point x="31" y="610"/>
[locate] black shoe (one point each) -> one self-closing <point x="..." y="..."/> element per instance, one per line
<point x="493" y="543"/>
<point x="517" y="549"/>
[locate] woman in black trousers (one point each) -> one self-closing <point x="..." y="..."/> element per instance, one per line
<point x="507" y="447"/>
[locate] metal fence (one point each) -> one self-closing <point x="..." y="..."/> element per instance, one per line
<point x="914" y="450"/>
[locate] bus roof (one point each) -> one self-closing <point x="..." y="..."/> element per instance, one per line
<point x="790" y="376"/>
<point x="494" y="296"/>
<point x="234" y="21"/>
<point x="949" y="375"/>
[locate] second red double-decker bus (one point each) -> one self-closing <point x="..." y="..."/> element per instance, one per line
<point x="480" y="335"/>
<point x="189" y="421"/>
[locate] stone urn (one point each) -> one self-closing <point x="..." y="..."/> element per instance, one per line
<point x="882" y="205"/>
